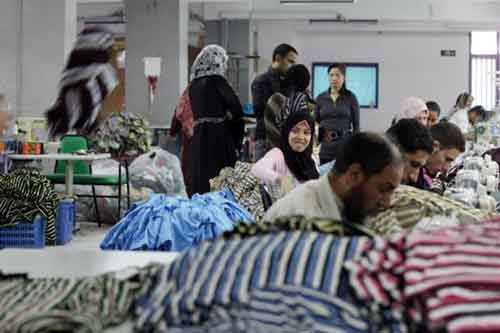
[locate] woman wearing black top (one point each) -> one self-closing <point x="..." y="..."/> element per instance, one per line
<point x="337" y="113"/>
<point x="218" y="118"/>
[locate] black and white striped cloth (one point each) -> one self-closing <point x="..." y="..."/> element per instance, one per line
<point x="86" y="82"/>
<point x="24" y="194"/>
<point x="69" y="305"/>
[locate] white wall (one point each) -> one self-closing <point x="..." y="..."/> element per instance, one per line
<point x="9" y="26"/>
<point x="49" y="31"/>
<point x="409" y="63"/>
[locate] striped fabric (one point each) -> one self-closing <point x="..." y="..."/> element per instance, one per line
<point x="410" y="205"/>
<point x="331" y="227"/>
<point x="284" y="282"/>
<point x="88" y="78"/>
<point x="243" y="185"/>
<point x="24" y="194"/>
<point x="68" y="305"/>
<point x="445" y="280"/>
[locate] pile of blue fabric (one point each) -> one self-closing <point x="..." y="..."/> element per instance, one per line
<point x="174" y="223"/>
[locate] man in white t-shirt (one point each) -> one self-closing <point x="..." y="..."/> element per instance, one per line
<point x="367" y="171"/>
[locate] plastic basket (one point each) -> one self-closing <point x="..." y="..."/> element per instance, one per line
<point x="24" y="235"/>
<point x="65" y="222"/>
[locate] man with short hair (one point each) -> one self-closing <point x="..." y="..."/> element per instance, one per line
<point x="368" y="169"/>
<point x="267" y="84"/>
<point x="449" y="143"/>
<point x="476" y="115"/>
<point x="416" y="145"/>
<point x="434" y="113"/>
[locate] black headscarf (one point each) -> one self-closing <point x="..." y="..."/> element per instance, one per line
<point x="301" y="165"/>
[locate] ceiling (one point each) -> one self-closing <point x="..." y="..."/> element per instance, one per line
<point x="472" y="14"/>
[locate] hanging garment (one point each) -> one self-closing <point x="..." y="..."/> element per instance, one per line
<point x="69" y="305"/>
<point x="410" y="205"/>
<point x="25" y="194"/>
<point x="288" y="281"/>
<point x="175" y="224"/>
<point x="243" y="185"/>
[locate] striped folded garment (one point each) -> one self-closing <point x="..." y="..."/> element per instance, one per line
<point x="442" y="280"/>
<point x="410" y="205"/>
<point x="280" y="282"/>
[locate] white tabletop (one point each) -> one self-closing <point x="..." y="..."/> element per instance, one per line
<point x="61" y="157"/>
<point x="59" y="262"/>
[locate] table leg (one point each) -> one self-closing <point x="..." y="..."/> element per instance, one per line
<point x="69" y="179"/>
<point x="68" y="182"/>
<point x="128" y="184"/>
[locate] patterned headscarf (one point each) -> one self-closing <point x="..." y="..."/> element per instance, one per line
<point x="212" y="60"/>
<point x="86" y="82"/>
<point x="297" y="80"/>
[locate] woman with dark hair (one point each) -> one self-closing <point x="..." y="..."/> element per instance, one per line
<point x="337" y="113"/>
<point x="218" y="118"/>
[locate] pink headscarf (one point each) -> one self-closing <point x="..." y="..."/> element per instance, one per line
<point x="410" y="108"/>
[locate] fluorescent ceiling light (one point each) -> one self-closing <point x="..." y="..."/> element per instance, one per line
<point x="316" y="2"/>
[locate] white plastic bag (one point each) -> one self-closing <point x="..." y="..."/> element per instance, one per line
<point x="159" y="171"/>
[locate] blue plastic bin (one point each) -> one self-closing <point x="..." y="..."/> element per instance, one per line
<point x="24" y="235"/>
<point x="65" y="222"/>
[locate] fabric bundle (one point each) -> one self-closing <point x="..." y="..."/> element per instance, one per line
<point x="25" y="194"/>
<point x="175" y="223"/>
<point x="69" y="305"/>
<point x="284" y="282"/>
<point x="444" y="280"/>
<point x="123" y="134"/>
<point x="410" y="205"/>
<point x="244" y="187"/>
<point x="87" y="80"/>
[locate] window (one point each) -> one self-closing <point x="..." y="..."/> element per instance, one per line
<point x="485" y="61"/>
<point x="361" y="79"/>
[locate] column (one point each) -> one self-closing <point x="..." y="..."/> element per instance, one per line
<point x="48" y="31"/>
<point x="156" y="28"/>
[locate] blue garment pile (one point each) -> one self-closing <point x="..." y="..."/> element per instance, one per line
<point x="174" y="223"/>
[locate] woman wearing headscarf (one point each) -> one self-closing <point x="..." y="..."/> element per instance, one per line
<point x="459" y="114"/>
<point x="218" y="118"/>
<point x="88" y="79"/>
<point x="291" y="163"/>
<point x="413" y="108"/>
<point x="280" y="106"/>
<point x="337" y="113"/>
